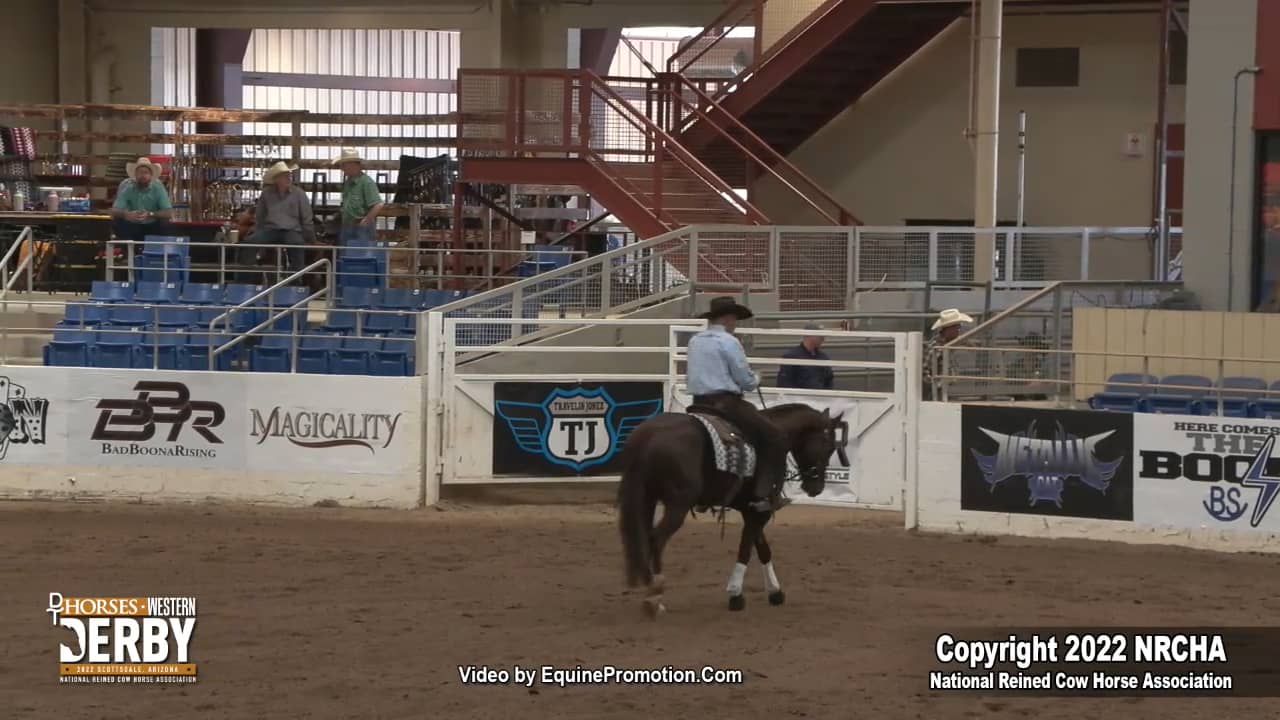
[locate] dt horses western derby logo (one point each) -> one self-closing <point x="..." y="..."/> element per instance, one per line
<point x="575" y="428"/>
<point x="1047" y="463"/>
<point x="315" y="430"/>
<point x="22" y="418"/>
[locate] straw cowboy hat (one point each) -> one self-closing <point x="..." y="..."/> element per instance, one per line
<point x="348" y="155"/>
<point x="274" y="170"/>
<point x="722" y="306"/>
<point x="131" y="168"/>
<point x="949" y="317"/>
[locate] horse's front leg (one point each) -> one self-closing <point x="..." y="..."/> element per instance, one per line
<point x="771" y="584"/>
<point x="750" y="528"/>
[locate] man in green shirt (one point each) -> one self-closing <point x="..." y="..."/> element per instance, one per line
<point x="361" y="201"/>
<point x="142" y="207"/>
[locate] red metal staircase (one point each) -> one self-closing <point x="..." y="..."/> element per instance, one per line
<point x="816" y="70"/>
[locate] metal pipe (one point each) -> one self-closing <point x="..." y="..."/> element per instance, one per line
<point x="1231" y="183"/>
<point x="1161" y="269"/>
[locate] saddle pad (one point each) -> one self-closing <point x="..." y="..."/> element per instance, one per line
<point x="734" y="458"/>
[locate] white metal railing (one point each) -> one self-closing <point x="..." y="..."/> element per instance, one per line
<point x="811" y="268"/>
<point x="251" y="305"/>
<point x="25" y="267"/>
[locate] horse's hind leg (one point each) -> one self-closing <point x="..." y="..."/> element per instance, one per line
<point x="771" y="584"/>
<point x="672" y="519"/>
<point x="751" y="526"/>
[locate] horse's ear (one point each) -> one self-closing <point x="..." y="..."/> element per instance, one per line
<point x="826" y="412"/>
<point x="837" y="418"/>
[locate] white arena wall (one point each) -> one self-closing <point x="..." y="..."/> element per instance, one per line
<point x="87" y="433"/>
<point x="1165" y="510"/>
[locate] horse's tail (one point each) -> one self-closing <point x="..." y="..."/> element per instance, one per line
<point x="635" y="519"/>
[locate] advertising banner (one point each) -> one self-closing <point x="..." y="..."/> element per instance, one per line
<point x="1047" y="462"/>
<point x="1206" y="472"/>
<point x="567" y="429"/>
<point x="33" y="418"/>
<point x="156" y="419"/>
<point x="346" y="425"/>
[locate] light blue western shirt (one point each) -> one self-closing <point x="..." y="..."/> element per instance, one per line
<point x="717" y="363"/>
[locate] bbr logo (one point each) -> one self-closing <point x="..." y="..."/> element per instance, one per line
<point x="157" y="403"/>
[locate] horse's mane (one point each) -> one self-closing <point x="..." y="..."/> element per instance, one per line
<point x="788" y="411"/>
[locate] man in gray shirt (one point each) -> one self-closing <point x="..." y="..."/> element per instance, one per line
<point x="283" y="217"/>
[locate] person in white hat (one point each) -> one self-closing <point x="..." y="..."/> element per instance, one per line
<point x="361" y="201"/>
<point x="946" y="329"/>
<point x="142" y="207"/>
<point x="283" y="217"/>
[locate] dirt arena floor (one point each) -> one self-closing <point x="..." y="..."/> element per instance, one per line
<point x="335" y="613"/>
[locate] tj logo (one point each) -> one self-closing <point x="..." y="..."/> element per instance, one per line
<point x="157" y="403"/>
<point x="575" y="428"/>
<point x="1223" y="504"/>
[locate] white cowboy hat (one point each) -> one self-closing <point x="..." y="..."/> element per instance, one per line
<point x="131" y="168"/>
<point x="348" y="155"/>
<point x="274" y="170"/>
<point x="949" y="317"/>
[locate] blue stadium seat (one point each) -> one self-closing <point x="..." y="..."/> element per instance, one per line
<point x="361" y="265"/>
<point x="360" y="297"/>
<point x="395" y="358"/>
<point x="179" y="316"/>
<point x="1269" y="406"/>
<point x="110" y="291"/>
<point x="315" y="352"/>
<point x="1120" y="394"/>
<point x="237" y="293"/>
<point x="195" y="354"/>
<point x="341" y="321"/>
<point x="1238" y="395"/>
<point x="201" y="294"/>
<point x="157" y="293"/>
<point x="354" y="355"/>
<point x="272" y="354"/>
<point x="432" y="298"/>
<point x="399" y="299"/>
<point x="162" y="244"/>
<point x="161" y="267"/>
<point x="160" y="350"/>
<point x="132" y="315"/>
<point x="116" y="348"/>
<point x="94" y="313"/>
<point x="69" y="348"/>
<point x="385" y="322"/>
<point x="1185" y="400"/>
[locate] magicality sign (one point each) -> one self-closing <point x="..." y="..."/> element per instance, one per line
<point x="319" y="430"/>
<point x="1047" y="462"/>
<point x="125" y="639"/>
<point x="1194" y="470"/>
<point x="542" y="429"/>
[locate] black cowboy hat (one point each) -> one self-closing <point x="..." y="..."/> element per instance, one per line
<point x="722" y="306"/>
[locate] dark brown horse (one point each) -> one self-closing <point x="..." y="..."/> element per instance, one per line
<point x="670" y="459"/>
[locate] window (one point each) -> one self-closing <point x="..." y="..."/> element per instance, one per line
<point x="1048" y="67"/>
<point x="1177" y="58"/>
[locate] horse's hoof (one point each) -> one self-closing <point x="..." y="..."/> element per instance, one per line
<point x="654" y="608"/>
<point x="737" y="602"/>
<point x="777" y="598"/>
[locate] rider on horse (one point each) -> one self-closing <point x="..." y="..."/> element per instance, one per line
<point x="718" y="376"/>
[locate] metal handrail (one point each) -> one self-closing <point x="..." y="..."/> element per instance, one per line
<point x="782" y="43"/>
<point x="775" y="158"/>
<point x="719" y="22"/>
<point x="27" y="237"/>
<point x="602" y="89"/>
<point x="248" y="304"/>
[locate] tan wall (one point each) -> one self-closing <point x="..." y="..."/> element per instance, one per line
<point x="1248" y="344"/>
<point x="900" y="152"/>
<point x="31" y="38"/>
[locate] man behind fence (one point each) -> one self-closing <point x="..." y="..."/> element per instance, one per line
<point x="807" y="377"/>
<point x="946" y="329"/>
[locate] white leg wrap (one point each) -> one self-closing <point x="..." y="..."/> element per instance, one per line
<point x="735" y="579"/>
<point x="771" y="583"/>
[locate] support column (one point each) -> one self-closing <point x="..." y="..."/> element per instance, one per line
<point x="987" y="136"/>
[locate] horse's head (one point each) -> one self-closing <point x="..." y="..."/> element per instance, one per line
<point x="814" y="441"/>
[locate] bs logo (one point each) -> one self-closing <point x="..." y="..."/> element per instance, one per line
<point x="1224" y="503"/>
